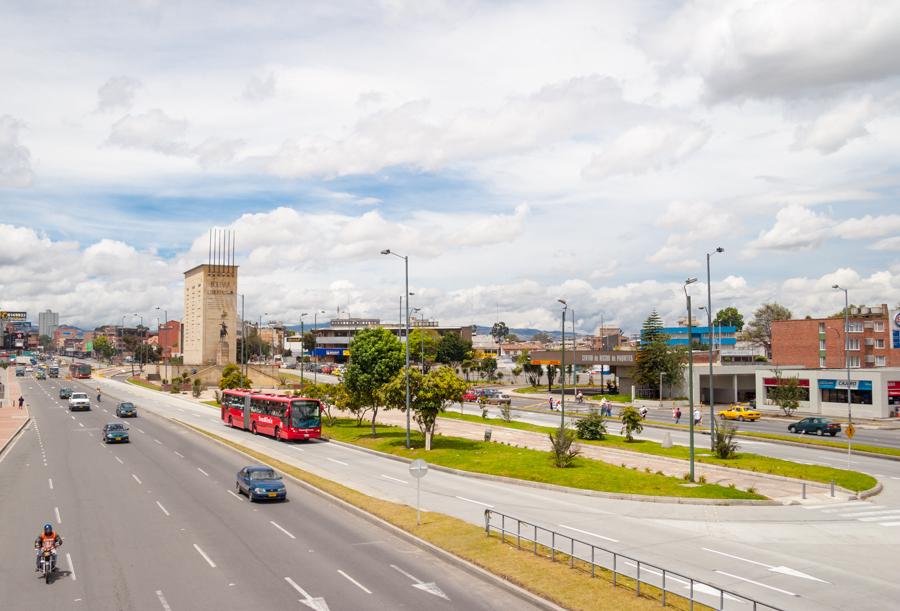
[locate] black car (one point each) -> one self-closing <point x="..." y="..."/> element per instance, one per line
<point x="126" y="409"/>
<point x="260" y="483"/>
<point x="822" y="426"/>
<point x="115" y="432"/>
<point x="65" y="392"/>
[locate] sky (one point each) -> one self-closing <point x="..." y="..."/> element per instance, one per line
<point x="516" y="152"/>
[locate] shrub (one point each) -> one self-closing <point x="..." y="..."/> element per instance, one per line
<point x="564" y="447"/>
<point x="726" y="443"/>
<point x="631" y="423"/>
<point x="505" y="412"/>
<point x="591" y="427"/>
<point x="702" y="479"/>
<point x="196" y="388"/>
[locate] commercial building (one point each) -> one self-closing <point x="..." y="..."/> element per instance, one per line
<point x="721" y="336"/>
<point x="210" y="315"/>
<point x="608" y="338"/>
<point x="874" y="340"/>
<point x="170" y="338"/>
<point x="47" y="322"/>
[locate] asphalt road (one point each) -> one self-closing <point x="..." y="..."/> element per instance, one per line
<point x="154" y="524"/>
<point x="825" y="555"/>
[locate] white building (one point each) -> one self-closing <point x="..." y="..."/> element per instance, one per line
<point x="48" y="322"/>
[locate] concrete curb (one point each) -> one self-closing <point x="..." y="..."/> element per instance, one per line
<point x="815" y="446"/>
<point x="443" y="554"/>
<point x="12" y="437"/>
<point x="555" y="487"/>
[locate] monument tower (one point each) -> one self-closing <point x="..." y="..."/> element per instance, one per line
<point x="210" y="305"/>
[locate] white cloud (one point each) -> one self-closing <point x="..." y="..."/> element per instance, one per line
<point x="835" y="128"/>
<point x="889" y="244"/>
<point x="868" y="226"/>
<point x="117" y="93"/>
<point x="15" y="159"/>
<point x="648" y="148"/>
<point x="796" y="228"/>
<point x="690" y="223"/>
<point x="259" y="89"/>
<point x="153" y="130"/>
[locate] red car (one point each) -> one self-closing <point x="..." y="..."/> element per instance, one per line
<point x="472" y="395"/>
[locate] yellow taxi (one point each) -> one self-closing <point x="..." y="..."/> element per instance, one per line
<point x="739" y="412"/>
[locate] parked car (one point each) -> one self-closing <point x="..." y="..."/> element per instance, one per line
<point x="740" y="413"/>
<point x="260" y="483"/>
<point x="822" y="426"/>
<point x="65" y="392"/>
<point x="115" y="432"/>
<point x="126" y="409"/>
<point x="497" y="398"/>
<point x="470" y="395"/>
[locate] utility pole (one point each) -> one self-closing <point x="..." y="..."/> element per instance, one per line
<point x="562" y="377"/>
<point x="690" y="373"/>
<point x="847" y="363"/>
<point x="712" y="401"/>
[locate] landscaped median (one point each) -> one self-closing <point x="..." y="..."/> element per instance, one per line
<point x="525" y="464"/>
<point x="552" y="581"/>
<point x="812" y="441"/>
<point x="849" y="480"/>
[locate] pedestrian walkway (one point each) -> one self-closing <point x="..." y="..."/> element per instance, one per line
<point x="11" y="417"/>
<point x="861" y="511"/>
<point x="783" y="490"/>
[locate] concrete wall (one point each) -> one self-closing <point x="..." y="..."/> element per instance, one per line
<point x="210" y="299"/>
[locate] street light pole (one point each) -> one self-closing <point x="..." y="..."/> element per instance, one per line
<point x="162" y="347"/>
<point x="712" y="402"/>
<point x="690" y="371"/>
<point x="574" y="358"/>
<point x="405" y="258"/>
<point x="315" y="327"/>
<point x="302" y="350"/>
<point x="562" y="377"/>
<point x="847" y="363"/>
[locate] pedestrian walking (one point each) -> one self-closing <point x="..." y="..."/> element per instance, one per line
<point x="550" y="401"/>
<point x="21" y="401"/>
<point x="677" y="414"/>
<point x="697" y="417"/>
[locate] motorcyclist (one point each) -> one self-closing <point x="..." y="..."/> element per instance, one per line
<point x="46" y="535"/>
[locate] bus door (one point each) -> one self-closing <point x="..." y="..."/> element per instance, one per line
<point x="247" y="412"/>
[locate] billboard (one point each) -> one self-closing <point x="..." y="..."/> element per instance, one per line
<point x="19" y="316"/>
<point x="895" y="329"/>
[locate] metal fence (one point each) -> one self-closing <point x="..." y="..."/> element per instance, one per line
<point x="580" y="554"/>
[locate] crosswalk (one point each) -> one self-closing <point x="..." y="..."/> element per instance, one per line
<point x="861" y="511"/>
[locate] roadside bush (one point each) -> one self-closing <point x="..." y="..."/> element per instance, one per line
<point x="564" y="447"/>
<point x="591" y="427"/>
<point x="196" y="389"/>
<point x="631" y="423"/>
<point x="505" y="412"/>
<point x="176" y="385"/>
<point x="726" y="443"/>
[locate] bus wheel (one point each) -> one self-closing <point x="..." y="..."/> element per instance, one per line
<point x="230" y="421"/>
<point x="253" y="429"/>
<point x="277" y="434"/>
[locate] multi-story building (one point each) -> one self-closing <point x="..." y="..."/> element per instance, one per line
<point x="607" y="338"/>
<point x="47" y="322"/>
<point x="722" y="337"/>
<point x="872" y="340"/>
<point x="170" y="338"/>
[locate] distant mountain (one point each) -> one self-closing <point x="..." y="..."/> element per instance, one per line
<point x="521" y="332"/>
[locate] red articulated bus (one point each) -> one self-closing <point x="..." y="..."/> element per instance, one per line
<point x="279" y="416"/>
<point x="81" y="371"/>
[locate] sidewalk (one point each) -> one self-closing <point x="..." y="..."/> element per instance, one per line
<point x="780" y="489"/>
<point x="11" y="417"/>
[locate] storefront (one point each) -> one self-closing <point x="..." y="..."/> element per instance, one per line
<point x="874" y="393"/>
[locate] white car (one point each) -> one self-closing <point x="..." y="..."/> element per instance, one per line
<point x="79" y="401"/>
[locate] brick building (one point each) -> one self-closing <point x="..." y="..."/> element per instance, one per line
<point x="817" y="343"/>
<point x="170" y="338"/>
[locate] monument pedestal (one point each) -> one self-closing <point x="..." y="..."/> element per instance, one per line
<point x="222" y="356"/>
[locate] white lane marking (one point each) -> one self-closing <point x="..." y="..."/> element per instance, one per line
<point x="81" y="424"/>
<point x="462" y="498"/>
<point x="298" y="588"/>
<point x="158" y="504"/>
<point x="50" y="482"/>
<point x="861" y="514"/>
<point x="865" y="507"/>
<point x="162" y="601"/>
<point x="890" y="524"/>
<point x="73" y="417"/>
<point x="302" y="450"/>
<point x="706" y="549"/>
<point x="783" y="570"/>
<point x="205" y="557"/>
<point x="58" y="518"/>
<point x="755" y="583"/>
<point x="121" y="462"/>
<point x="892" y="477"/>
<point x="71" y="566"/>
<point x="584" y="532"/>
<point x="402" y="572"/>
<point x="340" y="462"/>
<point x="178" y="453"/>
<point x="235" y="495"/>
<point x="354" y="582"/>
<point x="282" y="529"/>
<point x="202" y="471"/>
<point x="158" y="441"/>
<point x="430" y="587"/>
<point x="891" y="516"/>
<point x="139" y="430"/>
<point x="830" y="505"/>
<point x="136" y="478"/>
<point x="104" y="411"/>
<point x="393" y="479"/>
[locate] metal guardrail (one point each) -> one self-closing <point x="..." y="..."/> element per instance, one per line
<point x="549" y="543"/>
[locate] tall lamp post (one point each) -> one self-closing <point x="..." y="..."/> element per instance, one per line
<point x="302" y="350"/>
<point x="158" y="336"/>
<point x="387" y="251"/>
<point x="414" y="311"/>
<point x="687" y="298"/>
<point x="712" y="402"/>
<point x="847" y="363"/>
<point x="562" y="367"/>
<point x="316" y="326"/>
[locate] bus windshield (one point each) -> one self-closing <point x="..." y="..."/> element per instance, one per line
<point x="305" y="414"/>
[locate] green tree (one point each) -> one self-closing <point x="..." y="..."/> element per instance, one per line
<point x="423" y="347"/>
<point x="541" y="337"/>
<point x="652" y="328"/>
<point x="499" y="332"/>
<point x="231" y="378"/>
<point x="552" y="370"/>
<point x="453" y="349"/>
<point x="377" y="357"/>
<point x="45" y="341"/>
<point x="430" y="395"/>
<point x="533" y="373"/>
<point x="103" y="348"/>
<point x="655" y="356"/>
<point x="729" y="317"/>
<point x="564" y="448"/>
<point x="516" y="372"/>
<point x="631" y="423"/>
<point x="787" y="393"/>
<point x="488" y="367"/>
<point x="309" y="341"/>
<point x="512" y="338"/>
<point x="759" y="330"/>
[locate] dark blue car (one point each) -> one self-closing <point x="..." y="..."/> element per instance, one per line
<point x="260" y="483"/>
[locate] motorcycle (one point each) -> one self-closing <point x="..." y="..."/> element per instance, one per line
<point x="48" y="560"/>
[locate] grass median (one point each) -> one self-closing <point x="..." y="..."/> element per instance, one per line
<point x="553" y="581"/>
<point x="812" y="441"/>
<point x="144" y="384"/>
<point x="850" y="480"/>
<point x="524" y="463"/>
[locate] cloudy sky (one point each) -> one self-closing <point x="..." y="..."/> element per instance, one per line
<point x="518" y="152"/>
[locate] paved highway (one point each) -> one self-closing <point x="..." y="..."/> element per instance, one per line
<point x="155" y="524"/>
<point x="819" y="556"/>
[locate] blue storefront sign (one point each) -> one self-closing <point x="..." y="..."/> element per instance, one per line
<point x="330" y="352"/>
<point x="842" y="384"/>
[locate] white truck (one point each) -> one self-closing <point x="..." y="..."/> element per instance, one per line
<point x="79" y="401"/>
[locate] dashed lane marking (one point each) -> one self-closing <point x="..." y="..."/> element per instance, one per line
<point x="136" y="478"/>
<point x="462" y="498"/>
<point x="205" y="557"/>
<point x="354" y="582"/>
<point x="202" y="471"/>
<point x="335" y="460"/>
<point x="158" y="504"/>
<point x="162" y="601"/>
<point x="394" y="479"/>
<point x="282" y="529"/>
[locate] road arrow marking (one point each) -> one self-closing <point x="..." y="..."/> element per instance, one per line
<point x="775" y="569"/>
<point x="317" y="603"/>
<point x="756" y="583"/>
<point x="430" y="587"/>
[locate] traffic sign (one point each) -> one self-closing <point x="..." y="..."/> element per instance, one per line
<point x="851" y="431"/>
<point x="418" y="468"/>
